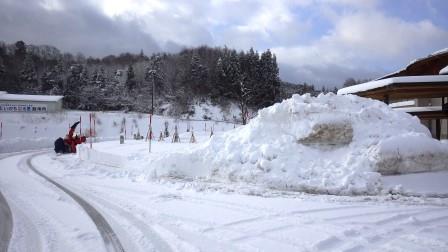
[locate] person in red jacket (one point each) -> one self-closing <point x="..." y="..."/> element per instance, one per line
<point x="71" y="140"/>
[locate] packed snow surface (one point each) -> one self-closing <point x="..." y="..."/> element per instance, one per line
<point x="329" y="144"/>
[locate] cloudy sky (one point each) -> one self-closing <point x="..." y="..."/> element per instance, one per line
<point x="317" y="41"/>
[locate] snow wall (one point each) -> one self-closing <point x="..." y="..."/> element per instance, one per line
<point x="326" y="144"/>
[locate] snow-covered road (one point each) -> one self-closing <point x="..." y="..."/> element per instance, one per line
<point x="110" y="239"/>
<point x="175" y="215"/>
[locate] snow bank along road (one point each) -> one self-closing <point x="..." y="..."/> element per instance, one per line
<point x="173" y="215"/>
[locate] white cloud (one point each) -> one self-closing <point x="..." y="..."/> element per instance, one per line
<point x="51" y="5"/>
<point x="315" y="40"/>
<point x="364" y="41"/>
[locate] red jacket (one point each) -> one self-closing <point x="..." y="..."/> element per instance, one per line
<point x="73" y="141"/>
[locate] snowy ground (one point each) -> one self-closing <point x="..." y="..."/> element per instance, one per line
<point x="26" y="131"/>
<point x="115" y="197"/>
<point x="178" y="215"/>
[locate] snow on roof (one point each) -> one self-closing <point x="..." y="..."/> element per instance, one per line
<point x="19" y="97"/>
<point x="444" y="50"/>
<point x="402" y="104"/>
<point x="412" y="62"/>
<point x="444" y="70"/>
<point x="442" y="79"/>
<point x="420" y="109"/>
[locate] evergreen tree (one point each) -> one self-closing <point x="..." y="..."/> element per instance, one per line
<point x="268" y="80"/>
<point x="231" y="74"/>
<point x="198" y="75"/>
<point x="130" y="79"/>
<point x="20" y="50"/>
<point x="154" y="73"/>
<point x="155" y="77"/>
<point x="28" y="75"/>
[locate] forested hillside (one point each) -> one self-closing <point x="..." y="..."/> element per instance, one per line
<point x="127" y="81"/>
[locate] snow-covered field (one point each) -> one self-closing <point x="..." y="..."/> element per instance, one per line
<point x="244" y="189"/>
<point x="25" y="131"/>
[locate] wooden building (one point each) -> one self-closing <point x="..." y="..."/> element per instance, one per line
<point x="422" y="86"/>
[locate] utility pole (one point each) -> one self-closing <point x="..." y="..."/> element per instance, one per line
<point x="152" y="104"/>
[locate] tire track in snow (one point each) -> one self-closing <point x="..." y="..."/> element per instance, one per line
<point x="388" y="228"/>
<point x="157" y="241"/>
<point x="275" y="216"/>
<point x="110" y="239"/>
<point x="6" y="225"/>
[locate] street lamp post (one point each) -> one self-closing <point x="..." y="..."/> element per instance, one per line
<point x="152" y="112"/>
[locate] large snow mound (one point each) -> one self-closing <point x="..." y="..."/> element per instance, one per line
<point x="326" y="144"/>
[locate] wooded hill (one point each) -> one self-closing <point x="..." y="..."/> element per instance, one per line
<point x="127" y="81"/>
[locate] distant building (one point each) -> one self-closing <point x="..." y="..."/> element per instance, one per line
<point x="30" y="103"/>
<point x="420" y="89"/>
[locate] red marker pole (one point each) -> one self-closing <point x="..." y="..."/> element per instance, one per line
<point x="90" y="116"/>
<point x="80" y="125"/>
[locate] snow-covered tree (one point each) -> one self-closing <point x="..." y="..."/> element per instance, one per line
<point x="130" y="78"/>
<point x="155" y="77"/>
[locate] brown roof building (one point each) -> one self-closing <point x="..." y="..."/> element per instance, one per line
<point x="420" y="89"/>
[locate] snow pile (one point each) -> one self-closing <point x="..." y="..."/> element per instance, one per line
<point x="329" y="144"/>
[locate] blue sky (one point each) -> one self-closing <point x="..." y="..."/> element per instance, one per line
<point x="316" y="41"/>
